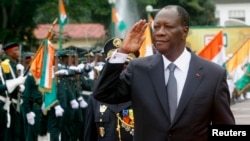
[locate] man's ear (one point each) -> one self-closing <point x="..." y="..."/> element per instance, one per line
<point x="185" y="32"/>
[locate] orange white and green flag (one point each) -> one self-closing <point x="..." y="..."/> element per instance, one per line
<point x="42" y="66"/>
<point x="117" y="19"/>
<point x="238" y="65"/>
<point x="62" y="13"/>
<point x="147" y="46"/>
<point x="243" y="84"/>
<point x="47" y="67"/>
<point x="214" y="50"/>
<point x="43" y="71"/>
<point x="36" y="64"/>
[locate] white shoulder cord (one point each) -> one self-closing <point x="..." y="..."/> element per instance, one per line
<point x="7" y="101"/>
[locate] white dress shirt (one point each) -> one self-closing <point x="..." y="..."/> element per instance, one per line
<point x="181" y="70"/>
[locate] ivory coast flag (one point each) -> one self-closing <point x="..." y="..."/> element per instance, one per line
<point x="48" y="83"/>
<point x="243" y="84"/>
<point x="50" y="98"/>
<point x="62" y="13"/>
<point x="47" y="74"/>
<point x="236" y="65"/>
<point x="114" y="16"/>
<point x="151" y="22"/>
<point x="214" y="50"/>
<point x="146" y="48"/>
<point x="42" y="65"/>
<point x="117" y="19"/>
<point x="36" y="64"/>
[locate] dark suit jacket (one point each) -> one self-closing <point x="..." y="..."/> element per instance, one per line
<point x="205" y="98"/>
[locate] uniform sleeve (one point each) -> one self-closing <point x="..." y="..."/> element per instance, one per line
<point x="118" y="57"/>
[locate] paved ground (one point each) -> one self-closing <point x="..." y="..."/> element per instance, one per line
<point x="241" y="111"/>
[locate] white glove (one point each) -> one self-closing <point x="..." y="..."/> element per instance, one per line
<point x="21" y="88"/>
<point x="20" y="68"/>
<point x="62" y="72"/>
<point x="74" y="104"/>
<point x="81" y="66"/>
<point x="13" y="83"/>
<point x="59" y="111"/>
<point x="21" y="79"/>
<point x="82" y="102"/>
<point x="98" y="68"/>
<point x="31" y="118"/>
<point x="74" y="68"/>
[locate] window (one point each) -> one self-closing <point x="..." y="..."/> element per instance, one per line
<point x="237" y="14"/>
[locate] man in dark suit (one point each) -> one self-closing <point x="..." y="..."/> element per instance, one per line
<point x="202" y="92"/>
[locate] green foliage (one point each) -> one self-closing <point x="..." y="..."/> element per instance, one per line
<point x="16" y="20"/>
<point x="201" y="11"/>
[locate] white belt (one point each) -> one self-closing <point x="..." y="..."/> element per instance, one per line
<point x="14" y="101"/>
<point x="2" y="98"/>
<point x="86" y="92"/>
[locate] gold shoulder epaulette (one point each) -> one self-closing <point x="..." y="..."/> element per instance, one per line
<point x="6" y="66"/>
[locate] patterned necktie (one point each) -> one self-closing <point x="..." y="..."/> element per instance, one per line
<point x="172" y="91"/>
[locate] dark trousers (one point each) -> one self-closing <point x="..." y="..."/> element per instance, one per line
<point x="32" y="131"/>
<point x="3" y="121"/>
<point x="15" y="132"/>
<point x="54" y="125"/>
<point x="67" y="132"/>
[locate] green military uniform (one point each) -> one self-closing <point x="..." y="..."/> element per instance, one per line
<point x="15" y="132"/>
<point x="67" y="93"/>
<point x="3" y="112"/>
<point x="32" y="102"/>
<point x="64" y="96"/>
<point x="79" y="114"/>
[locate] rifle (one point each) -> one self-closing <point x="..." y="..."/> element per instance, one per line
<point x="48" y="36"/>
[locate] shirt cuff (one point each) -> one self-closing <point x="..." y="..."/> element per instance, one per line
<point x="118" y="57"/>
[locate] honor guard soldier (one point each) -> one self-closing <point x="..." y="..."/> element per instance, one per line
<point x="62" y="112"/>
<point x="105" y="122"/>
<point x="77" y="123"/>
<point x="31" y="106"/>
<point x="11" y="89"/>
<point x="87" y="82"/>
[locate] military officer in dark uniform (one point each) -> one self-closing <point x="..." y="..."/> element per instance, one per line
<point x="32" y="103"/>
<point x="105" y="122"/>
<point x="11" y="92"/>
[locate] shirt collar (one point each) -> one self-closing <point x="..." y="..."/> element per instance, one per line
<point x="182" y="62"/>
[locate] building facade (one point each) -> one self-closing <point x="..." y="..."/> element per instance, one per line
<point x="85" y="35"/>
<point x="232" y="12"/>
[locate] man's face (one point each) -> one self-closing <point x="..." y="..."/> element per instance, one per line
<point x="28" y="60"/>
<point x="13" y="53"/>
<point x="169" y="33"/>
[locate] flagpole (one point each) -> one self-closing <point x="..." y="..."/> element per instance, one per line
<point x="112" y="3"/>
<point x="48" y="36"/>
<point x="60" y="37"/>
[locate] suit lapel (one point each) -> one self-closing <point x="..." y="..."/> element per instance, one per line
<point x="194" y="78"/>
<point x="156" y="72"/>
